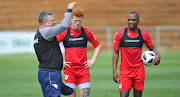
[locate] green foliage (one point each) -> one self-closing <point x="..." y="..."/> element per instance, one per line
<point x="18" y="76"/>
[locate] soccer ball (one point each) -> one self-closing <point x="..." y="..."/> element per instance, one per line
<point x="148" y="57"/>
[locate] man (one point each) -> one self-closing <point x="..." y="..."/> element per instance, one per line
<point x="76" y="64"/>
<point x="130" y="41"/>
<point x="49" y="54"/>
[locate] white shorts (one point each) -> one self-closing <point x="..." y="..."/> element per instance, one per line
<point x="80" y="86"/>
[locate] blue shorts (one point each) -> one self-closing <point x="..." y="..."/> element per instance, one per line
<point x="51" y="83"/>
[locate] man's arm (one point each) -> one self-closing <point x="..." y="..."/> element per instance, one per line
<point x="115" y="61"/>
<point x="50" y="32"/>
<point x="89" y="63"/>
<point x="158" y="57"/>
<point x="60" y="37"/>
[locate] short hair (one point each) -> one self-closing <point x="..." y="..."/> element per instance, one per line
<point x="44" y="16"/>
<point x="135" y="13"/>
<point x="78" y="12"/>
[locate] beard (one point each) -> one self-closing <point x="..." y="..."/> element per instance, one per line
<point x="132" y="27"/>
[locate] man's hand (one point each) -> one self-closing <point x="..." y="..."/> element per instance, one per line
<point x="158" y="57"/>
<point x="115" y="77"/>
<point x="66" y="64"/>
<point x="157" y="60"/>
<point x="71" y="5"/>
<point x="88" y="63"/>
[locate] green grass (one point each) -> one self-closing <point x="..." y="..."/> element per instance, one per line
<point x="18" y="76"/>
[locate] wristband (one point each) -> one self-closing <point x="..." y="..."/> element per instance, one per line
<point x="69" y="10"/>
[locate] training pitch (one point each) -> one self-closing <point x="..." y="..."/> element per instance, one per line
<point x="18" y="76"/>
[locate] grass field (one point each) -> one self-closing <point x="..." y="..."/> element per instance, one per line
<point x="18" y="76"/>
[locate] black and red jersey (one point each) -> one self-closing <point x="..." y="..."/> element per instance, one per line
<point x="75" y="44"/>
<point x="130" y="43"/>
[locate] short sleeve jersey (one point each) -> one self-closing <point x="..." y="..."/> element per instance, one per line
<point x="77" y="54"/>
<point x="131" y="56"/>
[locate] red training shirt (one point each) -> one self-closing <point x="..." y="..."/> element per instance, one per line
<point x="77" y="54"/>
<point x="131" y="56"/>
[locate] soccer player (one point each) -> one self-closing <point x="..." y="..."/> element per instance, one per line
<point x="76" y="65"/>
<point x="132" y="72"/>
<point x="49" y="54"/>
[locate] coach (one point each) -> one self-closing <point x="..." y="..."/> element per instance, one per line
<point x="49" y="54"/>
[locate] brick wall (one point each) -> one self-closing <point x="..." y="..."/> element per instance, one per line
<point x="23" y="14"/>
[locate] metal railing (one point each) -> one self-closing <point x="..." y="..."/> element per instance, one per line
<point x="109" y="29"/>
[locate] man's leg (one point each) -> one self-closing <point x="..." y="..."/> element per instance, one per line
<point x="137" y="93"/>
<point x="84" y="89"/>
<point x="84" y="92"/>
<point x="50" y="83"/>
<point x="138" y="85"/>
<point x="73" y="94"/>
<point x="124" y="93"/>
<point x="73" y="86"/>
<point x="125" y="82"/>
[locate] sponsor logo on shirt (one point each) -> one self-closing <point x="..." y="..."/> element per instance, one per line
<point x="132" y="40"/>
<point x="36" y="41"/>
<point x="76" y="39"/>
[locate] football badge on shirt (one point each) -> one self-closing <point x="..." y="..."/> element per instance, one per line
<point x="66" y="77"/>
<point x="120" y="85"/>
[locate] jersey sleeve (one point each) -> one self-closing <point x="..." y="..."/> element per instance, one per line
<point x="147" y="38"/>
<point x="117" y="39"/>
<point x="49" y="33"/>
<point x="61" y="36"/>
<point x="91" y="37"/>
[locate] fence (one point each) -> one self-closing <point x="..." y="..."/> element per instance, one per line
<point x="163" y="37"/>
